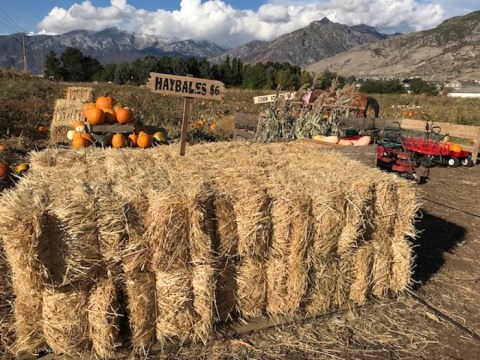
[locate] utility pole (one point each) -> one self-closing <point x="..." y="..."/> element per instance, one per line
<point x="24" y="54"/>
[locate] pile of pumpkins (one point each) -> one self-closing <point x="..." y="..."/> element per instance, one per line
<point x="105" y="110"/>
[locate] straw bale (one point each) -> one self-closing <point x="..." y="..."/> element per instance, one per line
<point x="175" y="308"/>
<point x="386" y="207"/>
<point x="287" y="266"/>
<point x="75" y="214"/>
<point x="83" y="94"/>
<point x="168" y="231"/>
<point x="65" y="320"/>
<point x="141" y="305"/>
<point x="103" y="318"/>
<point x="251" y="287"/>
<point x="252" y="206"/>
<point x="64" y="114"/>
<point x="323" y="282"/>
<point x="402" y="265"/>
<point x="21" y="229"/>
<point x="203" y="284"/>
<point x="361" y="286"/>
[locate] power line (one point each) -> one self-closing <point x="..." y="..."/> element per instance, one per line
<point x="8" y="22"/>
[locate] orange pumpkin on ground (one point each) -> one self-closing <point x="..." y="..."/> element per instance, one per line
<point x="213" y="126"/>
<point x="2" y="147"/>
<point x="119" y="141"/>
<point x="95" y="116"/>
<point x="42" y="129"/>
<point x="144" y="140"/>
<point x="132" y="140"/>
<point x="124" y="115"/>
<point x="4" y="171"/>
<point x="105" y="102"/>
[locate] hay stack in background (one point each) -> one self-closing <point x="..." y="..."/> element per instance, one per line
<point x="228" y="231"/>
<point x="83" y="94"/>
<point x="65" y="112"/>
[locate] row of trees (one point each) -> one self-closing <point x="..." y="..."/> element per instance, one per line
<point x="72" y="65"/>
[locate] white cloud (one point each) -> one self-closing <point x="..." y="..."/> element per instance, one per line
<point x="218" y="21"/>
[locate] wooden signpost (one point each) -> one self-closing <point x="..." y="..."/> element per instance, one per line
<point x="272" y="97"/>
<point x="189" y="88"/>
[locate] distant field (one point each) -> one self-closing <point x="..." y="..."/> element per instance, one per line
<point x="26" y="103"/>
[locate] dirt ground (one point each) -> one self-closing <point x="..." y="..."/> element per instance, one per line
<point x="438" y="319"/>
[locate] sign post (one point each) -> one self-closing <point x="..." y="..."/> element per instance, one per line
<point x="272" y="97"/>
<point x="188" y="87"/>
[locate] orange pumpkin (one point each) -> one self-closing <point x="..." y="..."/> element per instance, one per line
<point x="201" y="122"/>
<point x="213" y="126"/>
<point x="110" y="117"/>
<point x="95" y="116"/>
<point x="86" y="107"/>
<point x="4" y="171"/>
<point x="124" y="115"/>
<point x="119" y="141"/>
<point x="77" y="123"/>
<point x="42" y="129"/>
<point x="132" y="140"/>
<point x="2" y="147"/>
<point x="105" y="102"/>
<point x="79" y="142"/>
<point x="144" y="140"/>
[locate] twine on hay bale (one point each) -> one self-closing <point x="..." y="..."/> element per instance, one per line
<point x="141" y="304"/>
<point x="64" y="114"/>
<point x="65" y="321"/>
<point x="83" y="94"/>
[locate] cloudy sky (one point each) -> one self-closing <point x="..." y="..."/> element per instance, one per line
<point x="223" y="21"/>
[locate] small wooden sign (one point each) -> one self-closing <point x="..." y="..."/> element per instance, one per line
<point x="271" y="98"/>
<point x="186" y="86"/>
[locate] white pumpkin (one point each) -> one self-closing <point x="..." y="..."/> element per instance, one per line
<point x="70" y="134"/>
<point x="80" y="128"/>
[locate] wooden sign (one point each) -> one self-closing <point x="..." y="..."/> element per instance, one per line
<point x="271" y="98"/>
<point x="186" y="86"/>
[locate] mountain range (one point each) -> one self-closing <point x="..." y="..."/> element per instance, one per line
<point x="448" y="51"/>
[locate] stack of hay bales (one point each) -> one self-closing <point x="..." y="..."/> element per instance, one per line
<point x="67" y="111"/>
<point x="232" y="230"/>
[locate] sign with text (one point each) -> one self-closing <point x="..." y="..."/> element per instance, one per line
<point x="186" y="86"/>
<point x="271" y="98"/>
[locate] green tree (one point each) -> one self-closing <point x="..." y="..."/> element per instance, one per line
<point x="108" y="73"/>
<point x="52" y="66"/>
<point x="419" y="86"/>
<point x="72" y="64"/>
<point x="383" y="87"/>
<point x="254" y="76"/>
<point x="122" y="73"/>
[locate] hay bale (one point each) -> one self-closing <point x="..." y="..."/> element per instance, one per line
<point x="103" y="318"/>
<point x="65" y="320"/>
<point x="251" y="287"/>
<point x="83" y="94"/>
<point x="64" y="114"/>
<point x="141" y="305"/>
<point x="175" y="309"/>
<point x="21" y="230"/>
<point x="287" y="265"/>
<point x="362" y="284"/>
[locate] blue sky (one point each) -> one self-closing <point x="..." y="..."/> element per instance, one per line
<point x="227" y="22"/>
